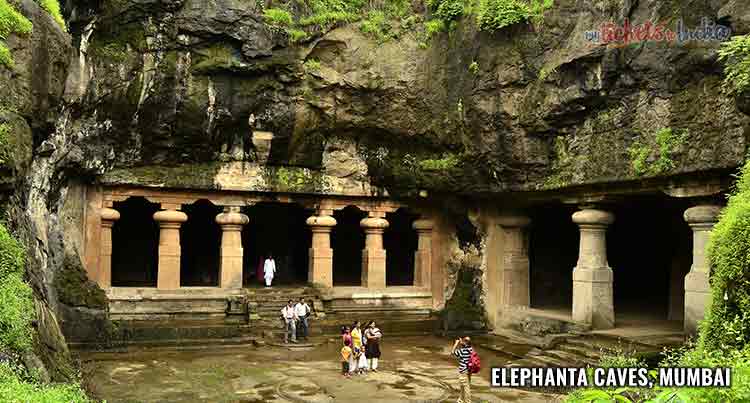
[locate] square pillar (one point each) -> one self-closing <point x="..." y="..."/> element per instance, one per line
<point x="231" y="222"/>
<point x="373" y="256"/>
<point x="108" y="218"/>
<point x="320" y="263"/>
<point x="592" y="277"/>
<point x="697" y="289"/>
<point x="515" y="275"/>
<point x="423" y="255"/>
<point x="170" y="220"/>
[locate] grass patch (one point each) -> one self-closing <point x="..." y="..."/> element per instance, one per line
<point x="277" y="17"/>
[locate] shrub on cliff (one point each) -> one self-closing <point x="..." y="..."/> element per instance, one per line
<point x="16" y="303"/>
<point x="735" y="54"/>
<point x="727" y="323"/>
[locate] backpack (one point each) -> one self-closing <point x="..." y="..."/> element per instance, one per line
<point x="475" y="364"/>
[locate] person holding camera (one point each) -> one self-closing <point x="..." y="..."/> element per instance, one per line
<point x="462" y="351"/>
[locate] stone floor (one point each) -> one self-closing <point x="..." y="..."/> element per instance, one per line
<point x="412" y="369"/>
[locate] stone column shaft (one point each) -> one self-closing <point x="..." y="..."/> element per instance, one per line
<point x="320" y="266"/>
<point x="230" y="269"/>
<point x="168" y="277"/>
<point x="423" y="254"/>
<point x="108" y="218"/>
<point x="515" y="275"/>
<point x="592" y="277"/>
<point x="373" y="256"/>
<point x="697" y="290"/>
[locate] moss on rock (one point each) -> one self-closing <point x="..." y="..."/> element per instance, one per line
<point x="75" y="289"/>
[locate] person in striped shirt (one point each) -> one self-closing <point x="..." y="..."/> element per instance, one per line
<point x="462" y="351"/>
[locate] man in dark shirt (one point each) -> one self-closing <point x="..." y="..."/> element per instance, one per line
<point x="462" y="351"/>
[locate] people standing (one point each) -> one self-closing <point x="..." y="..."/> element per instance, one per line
<point x="372" y="348"/>
<point x="269" y="270"/>
<point x="290" y="320"/>
<point x="462" y="351"/>
<point x="356" y="334"/>
<point x="302" y="310"/>
<point x="346" y="353"/>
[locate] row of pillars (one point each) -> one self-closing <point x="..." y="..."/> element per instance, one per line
<point x="593" y="301"/>
<point x="231" y="221"/>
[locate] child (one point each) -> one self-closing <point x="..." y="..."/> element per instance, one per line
<point x="346" y="352"/>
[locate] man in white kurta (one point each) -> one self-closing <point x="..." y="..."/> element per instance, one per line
<point x="269" y="269"/>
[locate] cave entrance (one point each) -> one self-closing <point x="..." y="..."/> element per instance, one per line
<point x="649" y="248"/>
<point x="553" y="253"/>
<point x="400" y="242"/>
<point x="135" y="244"/>
<point x="200" y="240"/>
<point x="347" y="241"/>
<point x="279" y="230"/>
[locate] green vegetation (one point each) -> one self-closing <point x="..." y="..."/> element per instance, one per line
<point x="16" y="304"/>
<point x="53" y="8"/>
<point x="16" y="314"/>
<point x="311" y="65"/>
<point x="11" y="22"/>
<point x="15" y="388"/>
<point x="448" y="161"/>
<point x="497" y="14"/>
<point x="296" y="35"/>
<point x="474" y="68"/>
<point x="666" y="144"/>
<point x="277" y="17"/>
<point x="4" y="139"/>
<point x="735" y="54"/>
<point x="727" y="326"/>
<point x="378" y="26"/>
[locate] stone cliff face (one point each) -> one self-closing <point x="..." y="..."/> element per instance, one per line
<point x="138" y="84"/>
<point x="170" y="82"/>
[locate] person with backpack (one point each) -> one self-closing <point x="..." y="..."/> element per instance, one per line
<point x="468" y="363"/>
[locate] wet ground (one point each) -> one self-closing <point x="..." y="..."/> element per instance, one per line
<point x="411" y="369"/>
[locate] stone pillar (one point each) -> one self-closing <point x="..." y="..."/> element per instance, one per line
<point x="230" y="269"/>
<point x="170" y="220"/>
<point x="423" y="255"/>
<point x="592" y="276"/>
<point x="373" y="256"/>
<point x="515" y="275"/>
<point x="697" y="291"/>
<point x="108" y="218"/>
<point x="320" y="264"/>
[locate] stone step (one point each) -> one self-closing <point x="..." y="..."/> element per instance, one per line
<point x="572" y="359"/>
<point x="587" y="353"/>
<point x="169" y="343"/>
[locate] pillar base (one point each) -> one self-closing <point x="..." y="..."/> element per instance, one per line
<point x="592" y="297"/>
<point x="697" y="300"/>
<point x="320" y="269"/>
<point x="373" y="268"/>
